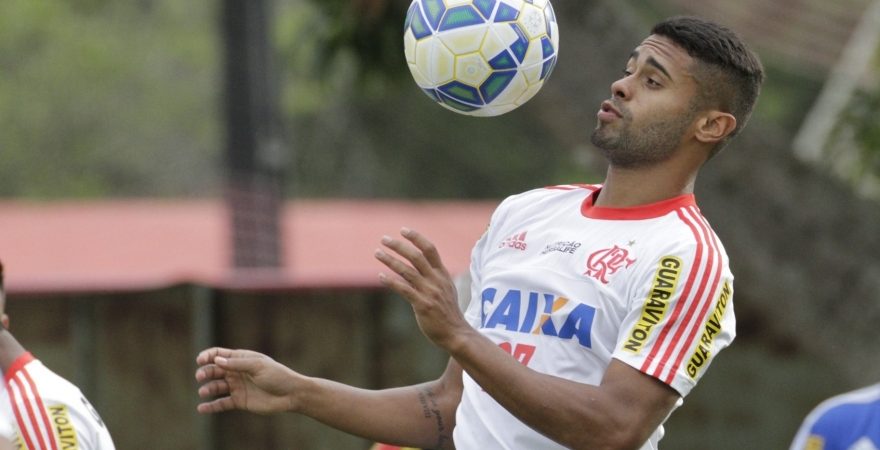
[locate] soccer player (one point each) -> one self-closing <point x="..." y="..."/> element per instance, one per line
<point x="594" y="308"/>
<point x="39" y="410"/>
<point x="849" y="421"/>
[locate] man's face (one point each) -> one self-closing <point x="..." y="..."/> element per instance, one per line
<point x="652" y="107"/>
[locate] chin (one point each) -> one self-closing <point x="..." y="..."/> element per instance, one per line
<point x="602" y="139"/>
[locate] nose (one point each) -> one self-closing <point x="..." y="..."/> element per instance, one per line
<point x="620" y="88"/>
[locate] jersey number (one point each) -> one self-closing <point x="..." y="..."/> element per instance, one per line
<point x="521" y="352"/>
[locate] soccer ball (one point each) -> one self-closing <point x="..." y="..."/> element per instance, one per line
<point x="481" y="57"/>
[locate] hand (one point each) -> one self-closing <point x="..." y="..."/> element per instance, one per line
<point x="426" y="285"/>
<point x="246" y="380"/>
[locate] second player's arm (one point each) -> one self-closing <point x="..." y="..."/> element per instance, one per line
<point x="422" y="415"/>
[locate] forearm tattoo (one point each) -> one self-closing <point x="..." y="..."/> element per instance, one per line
<point x="430" y="409"/>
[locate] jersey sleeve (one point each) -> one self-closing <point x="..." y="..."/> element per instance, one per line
<point x="50" y="412"/>
<point x="680" y="312"/>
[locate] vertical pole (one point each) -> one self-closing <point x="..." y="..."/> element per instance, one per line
<point x="83" y="334"/>
<point x="255" y="156"/>
<point x="204" y="335"/>
<point x="376" y="339"/>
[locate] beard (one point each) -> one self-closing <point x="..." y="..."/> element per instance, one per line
<point x="630" y="147"/>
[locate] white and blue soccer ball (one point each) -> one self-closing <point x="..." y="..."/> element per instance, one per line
<point x="481" y="57"/>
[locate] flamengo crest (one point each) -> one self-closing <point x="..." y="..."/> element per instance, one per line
<point x="604" y="263"/>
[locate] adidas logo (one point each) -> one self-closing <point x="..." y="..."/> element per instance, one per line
<point x="517" y="241"/>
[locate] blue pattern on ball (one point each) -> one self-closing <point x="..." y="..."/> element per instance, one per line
<point x="485" y="7"/>
<point x="521" y="46"/>
<point x="434" y="10"/>
<point x="506" y="13"/>
<point x="427" y="20"/>
<point x="460" y="16"/>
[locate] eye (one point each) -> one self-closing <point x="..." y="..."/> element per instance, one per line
<point x="653" y="83"/>
<point x="627" y="72"/>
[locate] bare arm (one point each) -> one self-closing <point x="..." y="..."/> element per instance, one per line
<point x="621" y="412"/>
<point x="422" y="415"/>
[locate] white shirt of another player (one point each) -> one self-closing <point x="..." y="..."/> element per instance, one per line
<point x="565" y="286"/>
<point x="39" y="410"/>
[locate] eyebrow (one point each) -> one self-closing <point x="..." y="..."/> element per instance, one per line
<point x="653" y="62"/>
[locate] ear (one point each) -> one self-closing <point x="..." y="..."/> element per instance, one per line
<point x="4" y="319"/>
<point x="714" y="126"/>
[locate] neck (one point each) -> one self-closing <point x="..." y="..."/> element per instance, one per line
<point x="10" y="349"/>
<point x="641" y="186"/>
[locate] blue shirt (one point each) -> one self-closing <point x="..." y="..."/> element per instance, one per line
<point x="849" y="421"/>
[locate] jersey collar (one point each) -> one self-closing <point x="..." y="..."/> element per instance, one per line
<point x="17" y="365"/>
<point x="647" y="211"/>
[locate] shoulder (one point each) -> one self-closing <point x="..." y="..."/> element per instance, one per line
<point x="687" y="231"/>
<point x="539" y="196"/>
<point x="844" y="408"/>
<point x="30" y="380"/>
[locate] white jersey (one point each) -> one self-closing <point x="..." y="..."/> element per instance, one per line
<point x="565" y="286"/>
<point x="42" y="411"/>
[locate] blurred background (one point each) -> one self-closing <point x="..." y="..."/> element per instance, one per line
<point x="180" y="174"/>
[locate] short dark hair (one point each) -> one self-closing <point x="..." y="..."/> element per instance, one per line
<point x="732" y="74"/>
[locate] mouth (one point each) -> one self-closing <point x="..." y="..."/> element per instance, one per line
<point x="608" y="113"/>
<point x="608" y="108"/>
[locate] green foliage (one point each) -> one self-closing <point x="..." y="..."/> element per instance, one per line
<point x="405" y="146"/>
<point x="371" y="29"/>
<point x="786" y="96"/>
<point x="359" y="126"/>
<point x="120" y="98"/>
<point x="106" y="98"/>
<point x="862" y="118"/>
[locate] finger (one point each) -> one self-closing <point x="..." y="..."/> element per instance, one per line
<point x="214" y="388"/>
<point x="397" y="266"/>
<point x="207" y="356"/>
<point x="249" y="365"/>
<point x="215" y="406"/>
<point x="410" y="253"/>
<point x="404" y="289"/>
<point x="426" y="247"/>
<point x="209" y="372"/>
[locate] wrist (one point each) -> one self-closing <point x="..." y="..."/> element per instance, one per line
<point x="301" y="393"/>
<point x="457" y="343"/>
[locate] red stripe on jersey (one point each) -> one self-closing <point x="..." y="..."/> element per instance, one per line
<point x="694" y="319"/>
<point x="17" y="365"/>
<point x="14" y="388"/>
<point x="29" y="419"/>
<point x="679" y="305"/>
<point x="35" y="412"/>
<point x="42" y="408"/>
